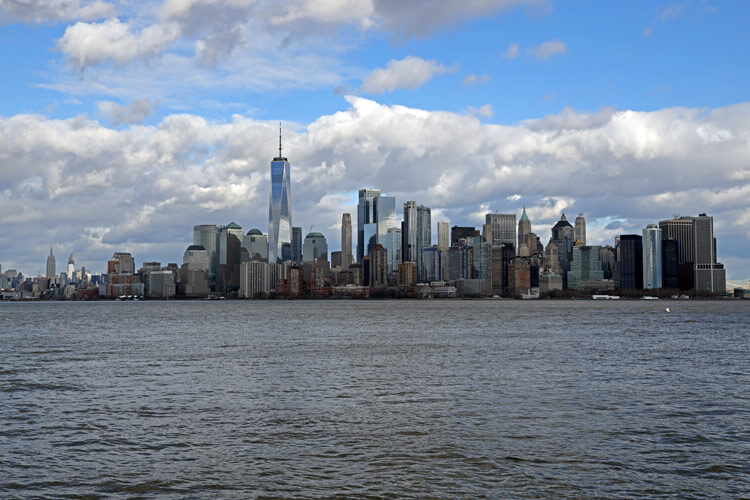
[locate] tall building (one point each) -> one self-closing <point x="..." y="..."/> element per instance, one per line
<point x="431" y="266"/>
<point x="444" y="237"/>
<point x="280" y="210"/>
<point x="652" y="257"/>
<point x="629" y="266"/>
<point x="385" y="216"/>
<point x="580" y="230"/>
<point x="256" y="245"/>
<point x="346" y="241"/>
<point x="229" y="249"/>
<point x="393" y="248"/>
<point x="670" y="264"/>
<point x="254" y="279"/>
<point x="206" y="235"/>
<point x="365" y="215"/>
<point x="697" y="248"/>
<point x="314" y="248"/>
<point x="424" y="235"/>
<point x="524" y="229"/>
<point x="51" y="271"/>
<point x="563" y="236"/>
<point x="409" y="232"/>
<point x="502" y="227"/>
<point x="71" y="267"/>
<point x="461" y="232"/>
<point x="378" y="267"/>
<point x="586" y="265"/>
<point x="297" y="245"/>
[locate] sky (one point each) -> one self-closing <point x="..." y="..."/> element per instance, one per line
<point x="124" y="123"/>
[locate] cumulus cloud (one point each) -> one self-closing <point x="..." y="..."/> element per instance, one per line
<point x="87" y="44"/>
<point x="54" y="11"/>
<point x="511" y="52"/>
<point x="135" y="112"/>
<point x="549" y="49"/>
<point x="87" y="186"/>
<point x="408" y="73"/>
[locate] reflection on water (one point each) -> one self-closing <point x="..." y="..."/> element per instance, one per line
<point x="375" y="399"/>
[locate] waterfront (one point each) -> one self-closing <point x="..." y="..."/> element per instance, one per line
<point x="521" y="399"/>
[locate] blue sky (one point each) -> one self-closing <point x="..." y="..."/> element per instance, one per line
<point x="133" y="121"/>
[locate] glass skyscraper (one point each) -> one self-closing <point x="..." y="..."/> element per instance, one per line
<point x="280" y="210"/>
<point x="652" y="265"/>
<point x="365" y="215"/>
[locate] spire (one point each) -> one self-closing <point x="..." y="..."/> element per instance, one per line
<point x="279" y="139"/>
<point x="524" y="217"/>
<point x="50" y="249"/>
<point x="563" y="216"/>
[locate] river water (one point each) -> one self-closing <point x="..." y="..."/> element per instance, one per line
<point x="375" y="399"/>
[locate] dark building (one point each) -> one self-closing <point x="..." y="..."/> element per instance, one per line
<point x="630" y="263"/>
<point x="461" y="232"/>
<point x="670" y="263"/>
<point x="296" y="257"/>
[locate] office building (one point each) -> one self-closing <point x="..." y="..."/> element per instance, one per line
<point x="409" y="232"/>
<point x="365" y="215"/>
<point x="254" y="279"/>
<point x="629" y="274"/>
<point x="385" y="216"/>
<point x="586" y="265"/>
<point x="255" y="243"/>
<point x="347" y="259"/>
<point x="393" y="248"/>
<point x="296" y="245"/>
<point x="51" y="268"/>
<point x="206" y="235"/>
<point x="424" y="235"/>
<point x="652" y="257"/>
<point x="501" y="229"/>
<point x="444" y="236"/>
<point x="580" y="230"/>
<point x="314" y="248"/>
<point x="280" y="210"/>
<point x="461" y="232"/>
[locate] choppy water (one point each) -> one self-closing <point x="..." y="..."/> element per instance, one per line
<point x="446" y="399"/>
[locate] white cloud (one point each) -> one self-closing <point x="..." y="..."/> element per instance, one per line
<point x="408" y="73"/>
<point x="135" y="112"/>
<point x="144" y="187"/>
<point x="54" y="11"/>
<point x="511" y="52"/>
<point x="549" y="49"/>
<point x="471" y="80"/>
<point x="88" y="44"/>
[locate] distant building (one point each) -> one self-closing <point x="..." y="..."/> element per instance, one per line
<point x="431" y="266"/>
<point x="461" y="232"/>
<point x="256" y="244"/>
<point x="407" y="273"/>
<point x="444" y="237"/>
<point x="206" y="235"/>
<point x="297" y="245"/>
<point x="347" y="259"/>
<point x="378" y="267"/>
<point x="502" y="228"/>
<point x="254" y="279"/>
<point x="51" y="268"/>
<point x="580" y="230"/>
<point x="365" y="215"/>
<point x="314" y="248"/>
<point x="563" y="236"/>
<point x="424" y="236"/>
<point x="652" y="257"/>
<point x="280" y="210"/>
<point x="393" y="246"/>
<point x="629" y="275"/>
<point x="161" y="284"/>
<point x="409" y="232"/>
<point x="586" y="265"/>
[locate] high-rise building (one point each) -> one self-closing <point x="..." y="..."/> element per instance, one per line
<point x="697" y="248"/>
<point x="296" y="245"/>
<point x="280" y="210"/>
<point x="444" y="237"/>
<point x="629" y="267"/>
<point x="71" y="267"/>
<point x="652" y="257"/>
<point x="385" y="216"/>
<point x="424" y="235"/>
<point x="254" y="279"/>
<point x="431" y="266"/>
<point x="409" y="232"/>
<point x="563" y="236"/>
<point x="51" y="271"/>
<point x="365" y="215"/>
<point x="586" y="265"/>
<point x="314" y="248"/>
<point x="580" y="230"/>
<point x="502" y="227"/>
<point x="346" y="241"/>
<point x="670" y="264"/>
<point x="524" y="229"/>
<point x="229" y="249"/>
<point x="206" y="235"/>
<point x="256" y="245"/>
<point x="461" y="232"/>
<point x="196" y="257"/>
<point x="378" y="267"/>
<point x="393" y="248"/>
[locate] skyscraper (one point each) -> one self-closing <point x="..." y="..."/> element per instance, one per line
<point x="424" y="236"/>
<point x="409" y="232"/>
<point x="652" y="255"/>
<point x="580" y="229"/>
<point x="365" y="215"/>
<point x="346" y="241"/>
<point x="444" y="237"/>
<point x="524" y="229"/>
<point x="385" y="216"/>
<point x="502" y="228"/>
<point x="206" y="236"/>
<point x="51" y="265"/>
<point x="629" y="267"/>
<point x="71" y="267"/>
<point x="297" y="245"/>
<point x="393" y="247"/>
<point x="280" y="210"/>
<point x="314" y="248"/>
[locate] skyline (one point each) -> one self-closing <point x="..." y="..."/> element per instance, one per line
<point x="102" y="148"/>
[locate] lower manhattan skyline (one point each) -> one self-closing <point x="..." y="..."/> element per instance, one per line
<point x="111" y="148"/>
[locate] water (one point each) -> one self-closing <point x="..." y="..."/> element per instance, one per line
<point x="375" y="399"/>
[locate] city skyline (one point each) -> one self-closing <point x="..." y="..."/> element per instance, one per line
<point x="97" y="155"/>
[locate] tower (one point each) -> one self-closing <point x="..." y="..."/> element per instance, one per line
<point x="280" y="210"/>
<point x="524" y="228"/>
<point x="365" y="215"/>
<point x="502" y="227"/>
<point x="652" y="257"/>
<point x="71" y="267"/>
<point x="346" y="241"/>
<point x="580" y="230"/>
<point x="424" y="236"/>
<point x="409" y="232"/>
<point x="51" y="265"/>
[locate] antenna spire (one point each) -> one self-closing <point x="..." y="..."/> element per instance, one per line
<point x="279" y="139"/>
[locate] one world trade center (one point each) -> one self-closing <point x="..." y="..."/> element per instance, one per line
<point x="280" y="210"/>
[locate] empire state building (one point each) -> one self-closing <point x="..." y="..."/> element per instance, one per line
<point x="280" y="210"/>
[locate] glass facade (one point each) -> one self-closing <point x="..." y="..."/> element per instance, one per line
<point x="652" y="257"/>
<point x="385" y="212"/>
<point x="393" y="248"/>
<point x="365" y="215"/>
<point x="280" y="212"/>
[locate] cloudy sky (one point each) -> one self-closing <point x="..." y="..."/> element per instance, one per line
<point x="124" y="123"/>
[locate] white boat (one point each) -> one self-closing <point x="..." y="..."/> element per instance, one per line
<point x="530" y="295"/>
<point x="649" y="297"/>
<point x="605" y="297"/>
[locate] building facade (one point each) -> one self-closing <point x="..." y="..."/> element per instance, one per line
<point x="280" y="210"/>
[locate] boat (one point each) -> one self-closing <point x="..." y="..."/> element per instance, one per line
<point x="605" y="297"/>
<point x="649" y="297"/>
<point x="530" y="295"/>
